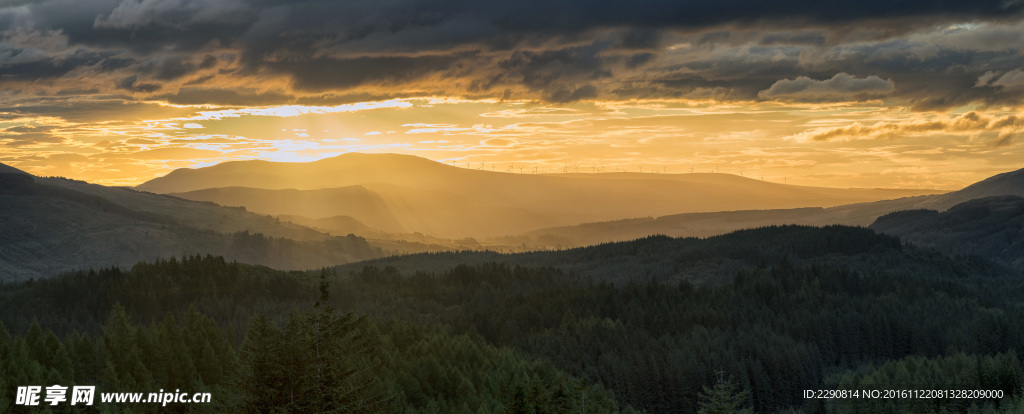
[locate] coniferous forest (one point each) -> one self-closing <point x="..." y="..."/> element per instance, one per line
<point x="746" y="322"/>
<point x="511" y="207"/>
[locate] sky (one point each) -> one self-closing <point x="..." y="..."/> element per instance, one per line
<point x="906" y="94"/>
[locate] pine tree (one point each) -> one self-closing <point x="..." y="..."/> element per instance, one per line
<point x="120" y="345"/>
<point x="341" y="378"/>
<point x="723" y="399"/>
<point x="259" y="375"/>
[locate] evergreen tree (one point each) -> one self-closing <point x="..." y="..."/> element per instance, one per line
<point x="341" y="377"/>
<point x="724" y="398"/>
<point x="260" y="377"/>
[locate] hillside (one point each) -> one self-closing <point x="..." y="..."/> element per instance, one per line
<point x="713" y="260"/>
<point x="334" y="224"/>
<point x="1008" y="183"/>
<point x="441" y="200"/>
<point x="351" y="201"/>
<point x="707" y="224"/>
<point x="991" y="227"/>
<point x="797" y="308"/>
<point x="676" y="225"/>
<point x="52" y="225"/>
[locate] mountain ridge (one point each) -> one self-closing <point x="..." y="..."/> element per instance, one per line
<point x="713" y="223"/>
<point x="991" y="227"/>
<point x="55" y="224"/>
<point x="446" y="201"/>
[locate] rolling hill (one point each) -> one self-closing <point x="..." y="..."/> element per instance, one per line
<point x="352" y="201"/>
<point x="714" y="223"/>
<point x="437" y="199"/>
<point x="991" y="227"/>
<point x="653" y="321"/>
<point x="50" y="225"/>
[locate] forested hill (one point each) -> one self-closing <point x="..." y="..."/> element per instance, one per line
<point x="711" y="260"/>
<point x="721" y="222"/>
<point x="808" y="308"/>
<point x="50" y="225"/>
<point x="991" y="227"/>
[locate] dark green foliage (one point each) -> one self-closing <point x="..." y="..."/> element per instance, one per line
<point x="125" y="357"/>
<point x="991" y="227"/>
<point x="51" y="225"/>
<point x="319" y="363"/>
<point x="724" y="398"/>
<point x="1001" y="371"/>
<point x="14" y="183"/>
<point x="316" y="361"/>
<point x="530" y="333"/>
<point x="713" y="260"/>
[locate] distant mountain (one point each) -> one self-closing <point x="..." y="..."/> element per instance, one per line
<point x="49" y="225"/>
<point x="341" y="171"/>
<point x="433" y="198"/>
<point x="352" y="201"/>
<point x="333" y="225"/>
<point x="708" y="224"/>
<point x="1008" y="183"/>
<point x="991" y="227"/>
<point x="676" y="225"/>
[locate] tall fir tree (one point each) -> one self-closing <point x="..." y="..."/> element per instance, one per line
<point x="724" y="398"/>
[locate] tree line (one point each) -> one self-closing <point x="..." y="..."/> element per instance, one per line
<point x="837" y="308"/>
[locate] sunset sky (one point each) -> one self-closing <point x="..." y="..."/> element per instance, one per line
<point x="905" y="94"/>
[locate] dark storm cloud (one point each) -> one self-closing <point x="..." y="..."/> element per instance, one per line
<point x="639" y="59"/>
<point x="539" y="70"/>
<point x="78" y="111"/>
<point x="46" y="67"/>
<point x="320" y="74"/>
<point x="172" y="68"/>
<point x="566" y="95"/>
<point x="77" y="91"/>
<point x="131" y="83"/>
<point x="791" y="38"/>
<point x="186" y="51"/>
<point x="839" y="87"/>
<point x="332" y="99"/>
<point x="233" y="97"/>
<point x="640" y="38"/>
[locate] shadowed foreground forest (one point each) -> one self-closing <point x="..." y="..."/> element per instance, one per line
<point x="799" y="309"/>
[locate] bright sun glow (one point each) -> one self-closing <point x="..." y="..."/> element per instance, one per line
<point x="853" y="106"/>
